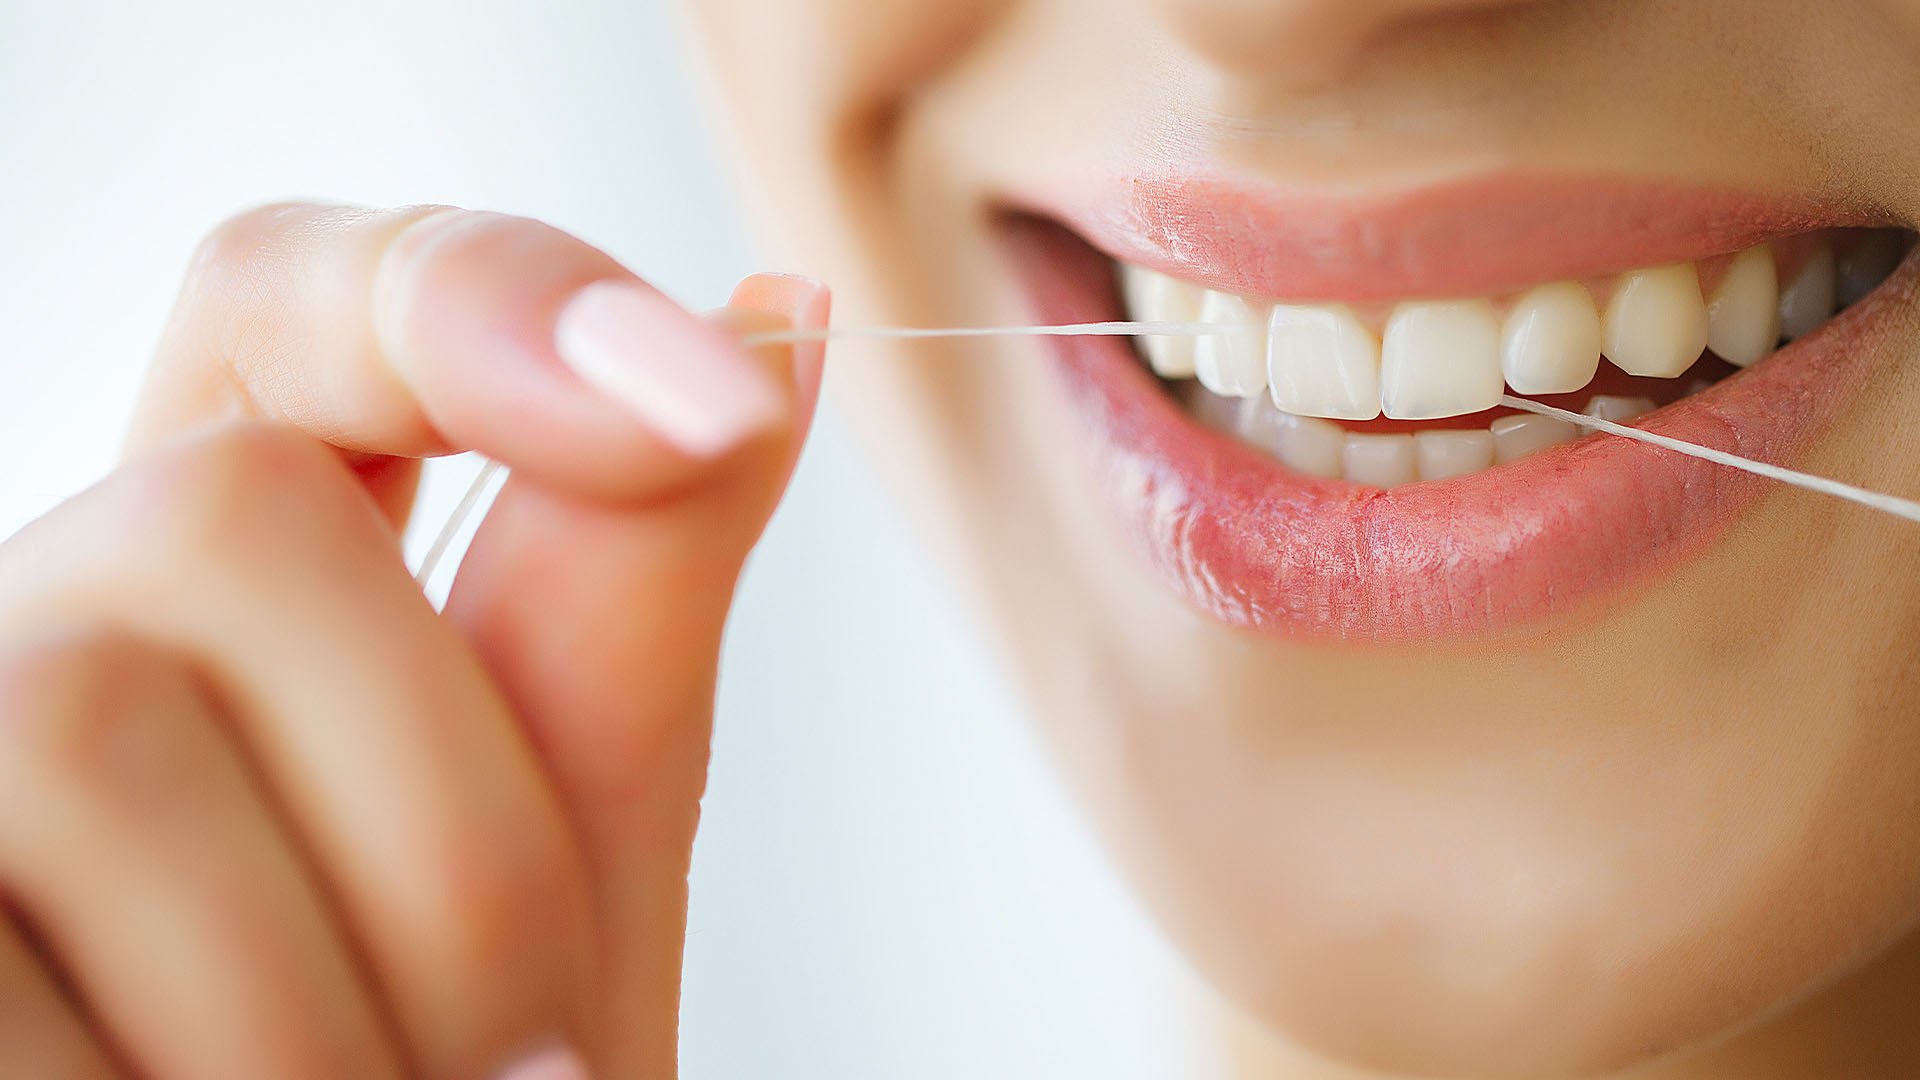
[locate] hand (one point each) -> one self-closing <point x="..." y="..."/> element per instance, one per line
<point x="263" y="812"/>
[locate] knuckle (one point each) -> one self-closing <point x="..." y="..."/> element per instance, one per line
<point x="261" y="234"/>
<point x="235" y="251"/>
<point x="234" y="490"/>
<point x="71" y="709"/>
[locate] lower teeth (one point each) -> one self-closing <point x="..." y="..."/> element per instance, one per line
<point x="1326" y="449"/>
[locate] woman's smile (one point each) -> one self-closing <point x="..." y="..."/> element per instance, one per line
<point x="1370" y="506"/>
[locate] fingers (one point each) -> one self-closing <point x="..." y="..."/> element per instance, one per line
<point x="395" y="763"/>
<point x="40" y="1032"/>
<point x="133" y="840"/>
<point x="429" y="330"/>
<point x="602" y="622"/>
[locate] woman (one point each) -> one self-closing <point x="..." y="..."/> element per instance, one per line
<point x="1444" y="741"/>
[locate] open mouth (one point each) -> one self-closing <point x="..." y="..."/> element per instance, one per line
<point x="1390" y="393"/>
<point x="1338" y="462"/>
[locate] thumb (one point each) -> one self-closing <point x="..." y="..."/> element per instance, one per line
<point x="602" y="622"/>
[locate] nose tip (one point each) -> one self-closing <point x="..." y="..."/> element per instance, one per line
<point x="1298" y="42"/>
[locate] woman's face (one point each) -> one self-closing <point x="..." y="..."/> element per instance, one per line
<point x="1552" y="766"/>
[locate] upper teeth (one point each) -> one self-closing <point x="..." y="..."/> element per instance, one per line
<point x="1430" y="359"/>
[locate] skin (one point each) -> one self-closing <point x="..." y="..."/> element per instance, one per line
<point x="1642" y="836"/>
<point x="370" y="839"/>
<point x="383" y="841"/>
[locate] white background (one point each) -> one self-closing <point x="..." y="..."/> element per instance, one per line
<point x="888" y="883"/>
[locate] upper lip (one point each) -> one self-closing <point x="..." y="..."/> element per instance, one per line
<point x="1474" y="236"/>
<point x="1259" y="546"/>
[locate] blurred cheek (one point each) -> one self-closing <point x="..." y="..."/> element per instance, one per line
<point x="812" y="68"/>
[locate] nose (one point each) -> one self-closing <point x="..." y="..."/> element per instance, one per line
<point x="1300" y="43"/>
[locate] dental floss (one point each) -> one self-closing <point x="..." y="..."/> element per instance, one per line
<point x="1892" y="504"/>
<point x="443" y="542"/>
<point x="1092" y="329"/>
<point x="1907" y="509"/>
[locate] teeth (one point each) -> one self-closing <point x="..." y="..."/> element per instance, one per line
<point x="1321" y="361"/>
<point x="1440" y="455"/>
<point x="1656" y="323"/>
<point x="1809" y="301"/>
<point x="1551" y="342"/>
<point x="1286" y="370"/>
<point x="1231" y="365"/>
<point x="1743" y="319"/>
<point x="1514" y="437"/>
<point x="1619" y="409"/>
<point x="1866" y="263"/>
<point x="1441" y="359"/>
<point x="1380" y="460"/>
<point x="1312" y="446"/>
<point x="1154" y="297"/>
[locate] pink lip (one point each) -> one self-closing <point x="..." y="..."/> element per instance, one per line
<point x="1478" y="237"/>
<point x="1258" y="546"/>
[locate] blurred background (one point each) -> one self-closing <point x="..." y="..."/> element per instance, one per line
<point x="888" y="882"/>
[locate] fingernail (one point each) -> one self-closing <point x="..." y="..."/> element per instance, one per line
<point x="682" y="378"/>
<point x="806" y="303"/>
<point x="556" y="1063"/>
<point x="801" y="301"/>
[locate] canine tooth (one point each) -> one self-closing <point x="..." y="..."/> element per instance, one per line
<point x="1656" y="323"/>
<point x="1514" y="437"/>
<point x="1312" y="446"/>
<point x="1379" y="460"/>
<point x="1439" y="455"/>
<point x="1551" y="341"/>
<point x="1440" y="359"/>
<point x="1743" y="319"/>
<point x="1809" y="301"/>
<point x="1866" y="263"/>
<point x="1619" y="409"/>
<point x="1321" y="361"/>
<point x="1234" y="364"/>
<point x="1154" y="297"/>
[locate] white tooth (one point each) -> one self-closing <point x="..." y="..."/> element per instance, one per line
<point x="1656" y="323"/>
<point x="1440" y="359"/>
<point x="1619" y="409"/>
<point x="1442" y="454"/>
<point x="1154" y="297"/>
<point x="1514" y="437"/>
<point x="1232" y="365"/>
<point x="1866" y="263"/>
<point x="1551" y="342"/>
<point x="1322" y="361"/>
<point x="1379" y="460"/>
<point x="1312" y="446"/>
<point x="1743" y="319"/>
<point x="1809" y="301"/>
<point x="1259" y="423"/>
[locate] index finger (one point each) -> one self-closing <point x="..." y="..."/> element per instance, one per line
<point x="432" y="330"/>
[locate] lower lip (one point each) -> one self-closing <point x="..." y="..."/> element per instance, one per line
<point x="1258" y="546"/>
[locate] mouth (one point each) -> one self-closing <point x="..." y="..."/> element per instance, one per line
<point x="1336" y="463"/>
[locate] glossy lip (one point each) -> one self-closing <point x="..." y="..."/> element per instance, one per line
<point x="1480" y="236"/>
<point x="1258" y="546"/>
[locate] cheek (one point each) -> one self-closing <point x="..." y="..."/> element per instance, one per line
<point x="819" y="65"/>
